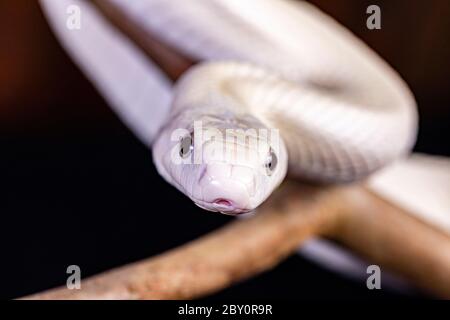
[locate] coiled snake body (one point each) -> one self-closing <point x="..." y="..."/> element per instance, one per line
<point x="278" y="66"/>
<point x="341" y="111"/>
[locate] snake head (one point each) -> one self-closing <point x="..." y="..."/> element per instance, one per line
<point x="228" y="168"/>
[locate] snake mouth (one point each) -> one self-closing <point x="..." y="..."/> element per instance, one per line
<point x="227" y="207"/>
<point x="223" y="206"/>
<point x="223" y="203"/>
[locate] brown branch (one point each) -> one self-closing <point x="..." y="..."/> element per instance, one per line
<point x="371" y="226"/>
<point x="395" y="239"/>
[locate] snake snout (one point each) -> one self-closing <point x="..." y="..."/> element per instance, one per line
<point x="228" y="206"/>
<point x="227" y="189"/>
<point x="227" y="196"/>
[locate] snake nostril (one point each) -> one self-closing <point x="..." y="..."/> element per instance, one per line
<point x="223" y="202"/>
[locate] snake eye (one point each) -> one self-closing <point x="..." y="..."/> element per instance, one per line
<point x="271" y="162"/>
<point x="186" y="146"/>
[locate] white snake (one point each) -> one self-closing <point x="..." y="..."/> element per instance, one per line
<point x="342" y="112"/>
